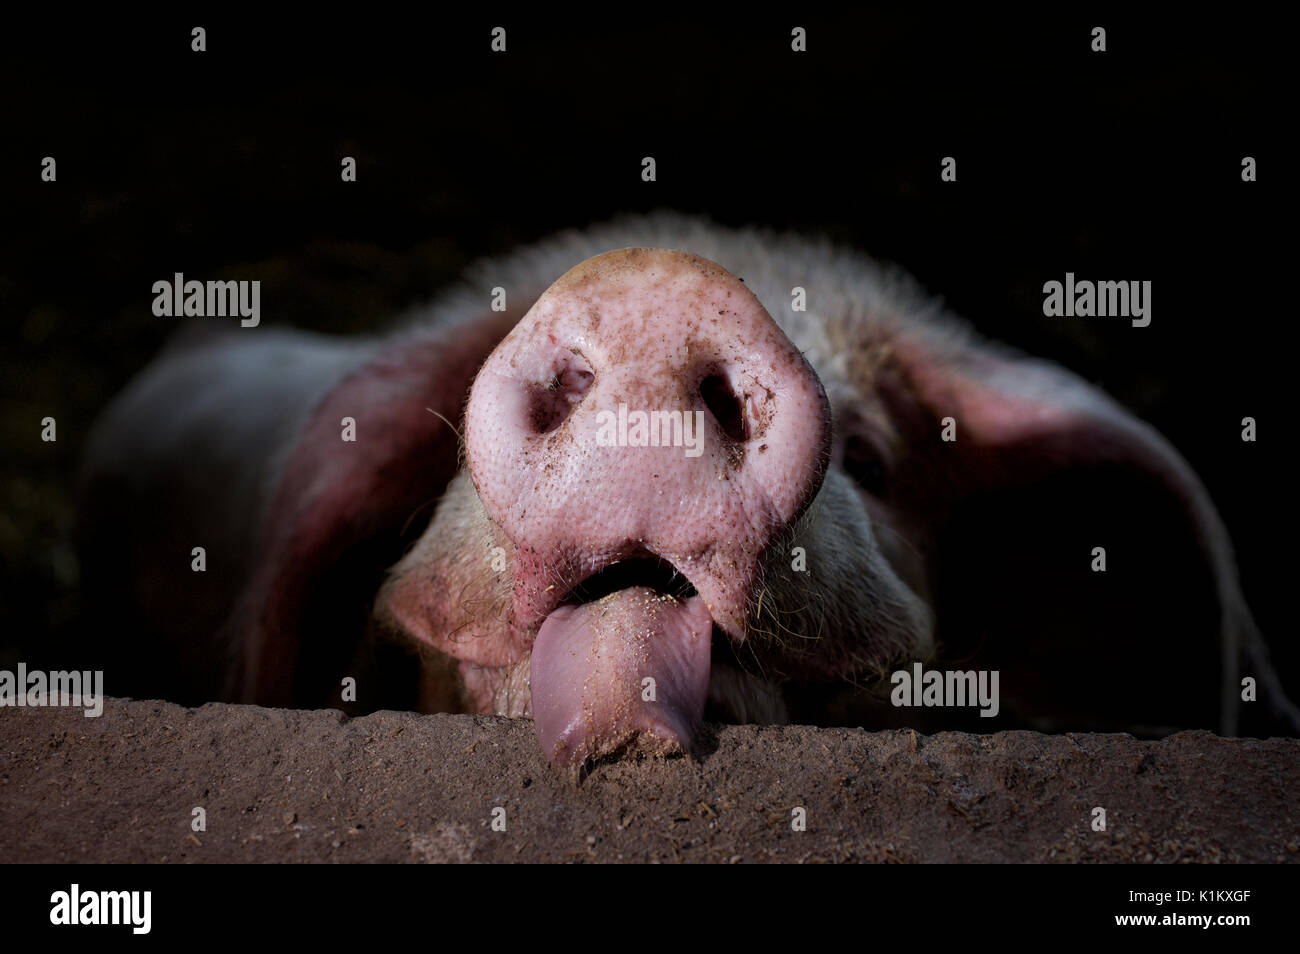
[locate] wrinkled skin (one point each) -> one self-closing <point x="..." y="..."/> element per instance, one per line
<point x="823" y="535"/>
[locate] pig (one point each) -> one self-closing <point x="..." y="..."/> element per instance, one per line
<point x="462" y="513"/>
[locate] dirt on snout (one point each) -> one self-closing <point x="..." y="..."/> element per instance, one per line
<point x="279" y="785"/>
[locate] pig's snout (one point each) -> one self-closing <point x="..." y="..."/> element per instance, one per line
<point x="641" y="438"/>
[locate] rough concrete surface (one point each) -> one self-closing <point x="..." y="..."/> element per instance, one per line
<point x="281" y="785"/>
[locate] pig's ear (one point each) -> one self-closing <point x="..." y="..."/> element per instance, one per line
<point x="342" y="510"/>
<point x="1076" y="551"/>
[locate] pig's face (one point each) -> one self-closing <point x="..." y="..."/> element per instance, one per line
<point x="614" y="581"/>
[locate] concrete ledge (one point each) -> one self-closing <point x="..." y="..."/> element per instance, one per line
<point x="281" y="785"/>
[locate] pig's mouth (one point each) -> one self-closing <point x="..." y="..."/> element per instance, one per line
<point x="623" y="662"/>
<point x="734" y="693"/>
<point x="652" y="572"/>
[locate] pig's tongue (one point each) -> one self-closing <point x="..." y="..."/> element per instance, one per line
<point x="589" y="664"/>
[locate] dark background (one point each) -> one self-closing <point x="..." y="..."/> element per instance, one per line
<point x="1122" y="165"/>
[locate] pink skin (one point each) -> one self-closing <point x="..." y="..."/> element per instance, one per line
<point x="644" y="328"/>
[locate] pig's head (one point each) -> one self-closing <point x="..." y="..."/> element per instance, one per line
<point x="665" y="511"/>
<point x="643" y="454"/>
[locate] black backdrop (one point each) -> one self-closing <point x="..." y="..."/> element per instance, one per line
<point x="1117" y="165"/>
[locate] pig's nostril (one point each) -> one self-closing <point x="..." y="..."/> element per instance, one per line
<point x="547" y="410"/>
<point x="550" y="402"/>
<point x="725" y="406"/>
